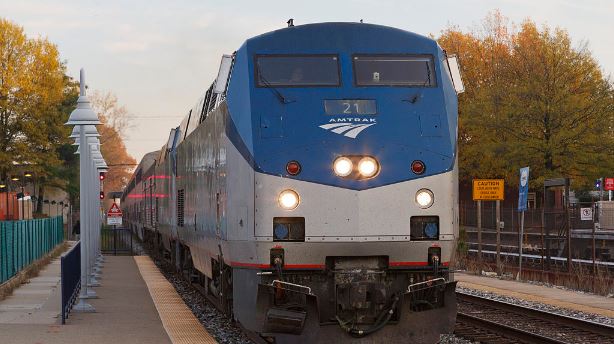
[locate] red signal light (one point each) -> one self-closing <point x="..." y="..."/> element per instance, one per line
<point x="101" y="194"/>
<point x="293" y="168"/>
<point x="417" y="167"/>
<point x="103" y="175"/>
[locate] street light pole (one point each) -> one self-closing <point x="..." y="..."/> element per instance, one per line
<point x="82" y="117"/>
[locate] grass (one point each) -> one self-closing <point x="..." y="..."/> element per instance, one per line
<point x="31" y="271"/>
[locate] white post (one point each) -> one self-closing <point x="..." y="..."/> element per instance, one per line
<point x="88" y="239"/>
<point x="94" y="198"/>
<point x="518" y="278"/>
<point x="82" y="306"/>
<point x="81" y="117"/>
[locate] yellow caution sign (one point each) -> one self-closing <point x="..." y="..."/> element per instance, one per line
<point x="488" y="189"/>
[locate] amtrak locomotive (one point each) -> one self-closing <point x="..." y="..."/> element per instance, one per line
<point x="312" y="191"/>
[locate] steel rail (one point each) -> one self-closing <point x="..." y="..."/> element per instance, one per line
<point x="502" y="333"/>
<point x="591" y="331"/>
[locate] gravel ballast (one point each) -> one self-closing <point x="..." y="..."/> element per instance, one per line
<point x="539" y="306"/>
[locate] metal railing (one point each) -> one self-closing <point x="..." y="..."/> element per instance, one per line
<point x="23" y="242"/>
<point x="116" y="241"/>
<point x="602" y="213"/>
<point x="71" y="279"/>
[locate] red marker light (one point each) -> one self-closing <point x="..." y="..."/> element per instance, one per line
<point x="103" y="175"/>
<point x="417" y="167"/>
<point x="101" y="194"/>
<point x="293" y="168"/>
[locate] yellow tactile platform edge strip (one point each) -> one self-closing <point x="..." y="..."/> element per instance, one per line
<point x="178" y="320"/>
<point x="540" y="299"/>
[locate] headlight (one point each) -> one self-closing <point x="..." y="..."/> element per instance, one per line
<point x="342" y="166"/>
<point x="288" y="199"/>
<point x="368" y="167"/>
<point x="424" y="198"/>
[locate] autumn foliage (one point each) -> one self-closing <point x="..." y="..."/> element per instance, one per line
<point x="533" y="98"/>
<point x="36" y="99"/>
<point x="115" y="122"/>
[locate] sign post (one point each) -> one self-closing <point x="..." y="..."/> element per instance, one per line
<point x="609" y="186"/>
<point x="523" y="193"/>
<point x="114" y="216"/>
<point x="489" y="190"/>
<point x="480" y="235"/>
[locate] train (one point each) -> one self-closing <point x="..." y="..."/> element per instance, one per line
<point x="312" y="191"/>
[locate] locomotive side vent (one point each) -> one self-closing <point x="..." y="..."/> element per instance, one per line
<point x="180" y="207"/>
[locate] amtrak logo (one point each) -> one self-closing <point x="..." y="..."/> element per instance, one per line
<point x="348" y="127"/>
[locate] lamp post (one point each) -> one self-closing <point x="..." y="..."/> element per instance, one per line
<point x="16" y="178"/>
<point x="4" y="187"/>
<point x="97" y="161"/>
<point x="27" y="175"/>
<point x="82" y="117"/>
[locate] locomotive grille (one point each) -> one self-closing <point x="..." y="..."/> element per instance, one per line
<point x="180" y="206"/>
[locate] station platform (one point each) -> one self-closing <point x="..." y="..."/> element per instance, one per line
<point x="563" y="298"/>
<point x="135" y="304"/>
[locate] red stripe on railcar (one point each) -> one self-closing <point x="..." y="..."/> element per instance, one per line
<point x="267" y="266"/>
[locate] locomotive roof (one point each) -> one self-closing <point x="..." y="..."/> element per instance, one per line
<point x="335" y="36"/>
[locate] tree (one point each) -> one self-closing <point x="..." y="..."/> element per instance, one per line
<point x="121" y="164"/>
<point x="115" y="123"/>
<point x="110" y="112"/>
<point x="35" y="96"/>
<point x="532" y="99"/>
<point x="566" y="108"/>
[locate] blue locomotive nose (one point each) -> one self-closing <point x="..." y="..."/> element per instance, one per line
<point x="361" y="90"/>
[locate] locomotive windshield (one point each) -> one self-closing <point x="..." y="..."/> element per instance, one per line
<point x="394" y="70"/>
<point x="297" y="70"/>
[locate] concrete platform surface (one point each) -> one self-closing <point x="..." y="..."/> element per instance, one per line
<point x="588" y="303"/>
<point x="35" y="302"/>
<point x="125" y="312"/>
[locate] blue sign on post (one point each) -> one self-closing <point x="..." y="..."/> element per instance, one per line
<point x="523" y="189"/>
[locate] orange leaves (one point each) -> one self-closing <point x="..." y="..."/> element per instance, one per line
<point x="533" y="98"/>
<point x="115" y="120"/>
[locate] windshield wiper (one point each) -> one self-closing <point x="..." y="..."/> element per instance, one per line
<point x="428" y="76"/>
<point x="268" y="85"/>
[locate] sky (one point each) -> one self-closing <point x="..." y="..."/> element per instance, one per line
<point x="159" y="57"/>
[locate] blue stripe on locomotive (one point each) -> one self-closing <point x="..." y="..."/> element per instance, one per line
<point x="269" y="133"/>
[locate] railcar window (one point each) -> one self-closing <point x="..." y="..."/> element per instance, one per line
<point x="394" y="70"/>
<point x="297" y="70"/>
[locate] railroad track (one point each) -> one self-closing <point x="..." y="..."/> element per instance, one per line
<point x="490" y="321"/>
